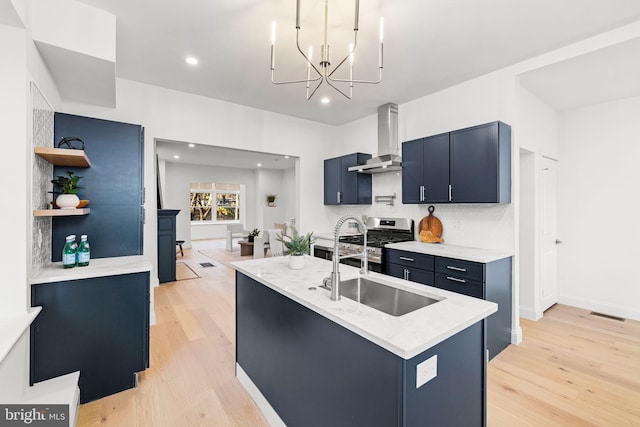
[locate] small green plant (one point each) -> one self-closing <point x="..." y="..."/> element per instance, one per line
<point x="254" y="232"/>
<point x="296" y="244"/>
<point x="67" y="184"/>
<point x="271" y="197"/>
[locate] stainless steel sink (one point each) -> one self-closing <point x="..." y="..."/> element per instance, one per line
<point x="388" y="299"/>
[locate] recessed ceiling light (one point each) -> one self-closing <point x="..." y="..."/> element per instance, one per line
<point x="259" y="165"/>
<point x="325" y="100"/>
<point x="176" y="157"/>
<point x="191" y="60"/>
<point x="192" y="145"/>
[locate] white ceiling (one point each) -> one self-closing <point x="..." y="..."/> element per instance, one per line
<point x="429" y="45"/>
<point x="197" y="154"/>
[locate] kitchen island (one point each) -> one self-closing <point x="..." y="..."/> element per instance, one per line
<point x="307" y="360"/>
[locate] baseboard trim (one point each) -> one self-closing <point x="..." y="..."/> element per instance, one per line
<point x="610" y="309"/>
<point x="530" y="313"/>
<point x="267" y="410"/>
<point x="516" y="335"/>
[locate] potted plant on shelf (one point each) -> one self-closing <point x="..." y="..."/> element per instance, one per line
<point x="68" y="186"/>
<point x="296" y="245"/>
<point x="252" y="234"/>
<point x="271" y="199"/>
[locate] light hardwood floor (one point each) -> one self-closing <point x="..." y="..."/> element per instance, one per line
<point x="572" y="368"/>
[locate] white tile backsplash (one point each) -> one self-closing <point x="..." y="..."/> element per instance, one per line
<point x="42" y="172"/>
<point x="488" y="226"/>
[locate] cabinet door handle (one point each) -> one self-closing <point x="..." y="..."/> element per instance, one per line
<point x="450" y="187"/>
<point x="338" y="196"/>
<point x="408" y="273"/>
<point x="450" y="267"/>
<point x="422" y="193"/>
<point x="455" y="279"/>
<point x="404" y="258"/>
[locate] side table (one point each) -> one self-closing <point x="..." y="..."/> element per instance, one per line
<point x="246" y="248"/>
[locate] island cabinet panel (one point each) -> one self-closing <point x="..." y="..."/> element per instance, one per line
<point x="315" y="372"/>
<point x="98" y="326"/>
<point x="342" y="187"/>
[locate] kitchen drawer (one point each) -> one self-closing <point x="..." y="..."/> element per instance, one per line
<point x="460" y="269"/>
<point x="409" y="259"/>
<point x="417" y="275"/>
<point x="462" y="286"/>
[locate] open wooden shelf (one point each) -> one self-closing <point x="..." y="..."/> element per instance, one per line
<point x="61" y="212"/>
<point x="64" y="156"/>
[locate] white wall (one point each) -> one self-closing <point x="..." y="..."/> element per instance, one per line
<point x="599" y="205"/>
<point x="178" y="116"/>
<point x="477" y="101"/>
<point x="279" y="182"/>
<point x="14" y="88"/>
<point x="538" y="135"/>
<point x="178" y="179"/>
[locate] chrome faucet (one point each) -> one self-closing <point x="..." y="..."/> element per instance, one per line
<point x="333" y="282"/>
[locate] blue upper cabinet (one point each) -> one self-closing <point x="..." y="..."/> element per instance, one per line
<point x="471" y="165"/>
<point x="425" y="170"/>
<point x="113" y="185"/>
<point x="342" y="187"/>
<point x="481" y="164"/>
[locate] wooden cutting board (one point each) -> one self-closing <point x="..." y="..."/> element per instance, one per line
<point x="430" y="228"/>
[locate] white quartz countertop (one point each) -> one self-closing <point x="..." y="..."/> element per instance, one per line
<point x="451" y="251"/>
<point x="12" y="326"/>
<point x="406" y="336"/>
<point x="99" y="267"/>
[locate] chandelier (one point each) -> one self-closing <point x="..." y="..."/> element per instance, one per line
<point x="324" y="72"/>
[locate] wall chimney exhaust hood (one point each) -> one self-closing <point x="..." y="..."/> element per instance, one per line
<point x="388" y="159"/>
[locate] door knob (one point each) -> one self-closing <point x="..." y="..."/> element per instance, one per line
<point x="558" y="241"/>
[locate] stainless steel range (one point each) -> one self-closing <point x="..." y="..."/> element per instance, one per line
<point x="380" y="232"/>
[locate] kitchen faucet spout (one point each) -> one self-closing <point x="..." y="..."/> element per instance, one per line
<point x="333" y="281"/>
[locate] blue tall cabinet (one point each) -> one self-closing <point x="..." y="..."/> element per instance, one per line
<point x="113" y="185"/>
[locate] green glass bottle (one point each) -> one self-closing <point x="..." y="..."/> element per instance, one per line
<point x="69" y="252"/>
<point x="83" y="254"/>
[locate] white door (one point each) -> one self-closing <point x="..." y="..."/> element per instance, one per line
<point x="549" y="232"/>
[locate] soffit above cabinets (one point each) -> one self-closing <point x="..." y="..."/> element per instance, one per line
<point x="602" y="75"/>
<point x="78" y="45"/>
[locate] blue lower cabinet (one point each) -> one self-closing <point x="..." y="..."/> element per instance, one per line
<point x="490" y="281"/>
<point x="314" y="372"/>
<point x="98" y="326"/>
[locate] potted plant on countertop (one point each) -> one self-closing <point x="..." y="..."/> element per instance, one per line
<point x="271" y="199"/>
<point x="68" y="185"/>
<point x="252" y="234"/>
<point x="296" y="245"/>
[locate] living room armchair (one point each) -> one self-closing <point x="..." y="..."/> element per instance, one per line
<point x="235" y="231"/>
<point x="266" y="240"/>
